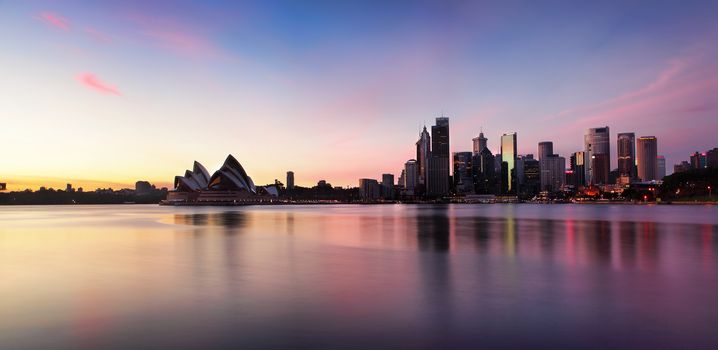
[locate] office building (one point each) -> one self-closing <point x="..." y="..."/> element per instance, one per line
<point x="369" y="189"/>
<point x="463" y="178"/>
<point x="553" y="172"/>
<point x="646" y="157"/>
<point x="387" y="186"/>
<point x="531" y="179"/>
<point x="438" y="164"/>
<point x="578" y="167"/>
<point x="484" y="172"/>
<point x="660" y="167"/>
<point x="626" y="151"/>
<point x="698" y="160"/>
<point x="423" y="150"/>
<point x="598" y="154"/>
<point x="712" y="158"/>
<point x="508" y="163"/>
<point x="290" y="180"/>
<point x="479" y="143"/>
<point x="411" y="176"/>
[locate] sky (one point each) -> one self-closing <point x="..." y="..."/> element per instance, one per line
<point x="105" y="93"/>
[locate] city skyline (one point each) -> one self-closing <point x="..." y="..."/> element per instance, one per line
<point x="133" y="90"/>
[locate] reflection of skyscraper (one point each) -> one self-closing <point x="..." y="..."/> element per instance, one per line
<point x="626" y="152"/>
<point x="646" y="157"/>
<point x="508" y="166"/>
<point x="423" y="150"/>
<point x="598" y="155"/>
<point x="438" y="164"/>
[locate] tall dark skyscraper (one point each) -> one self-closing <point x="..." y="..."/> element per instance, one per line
<point x="598" y="155"/>
<point x="647" y="157"/>
<point x="290" y="180"/>
<point x="578" y="167"/>
<point x="423" y="150"/>
<point x="438" y="177"/>
<point x="463" y="179"/>
<point x="626" y="151"/>
<point x="484" y="172"/>
<point x="508" y="163"/>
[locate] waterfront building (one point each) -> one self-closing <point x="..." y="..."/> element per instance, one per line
<point x="531" y="183"/>
<point x="712" y="158"/>
<point x="646" y="157"/>
<point x="423" y="151"/>
<point x="578" y="167"/>
<point x="479" y="143"/>
<point x="463" y="178"/>
<point x="698" y="160"/>
<point x="411" y="176"/>
<point x="508" y="163"/>
<point x="626" y="152"/>
<point x="553" y="172"/>
<point x="483" y="171"/>
<point x="290" y="180"/>
<point x="387" y="186"/>
<point x="598" y="154"/>
<point x="228" y="185"/>
<point x="369" y="189"/>
<point x="660" y="167"/>
<point x="438" y="165"/>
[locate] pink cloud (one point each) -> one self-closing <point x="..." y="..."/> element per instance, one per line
<point x="184" y="43"/>
<point x="91" y="81"/>
<point x="55" y="20"/>
<point x="97" y="35"/>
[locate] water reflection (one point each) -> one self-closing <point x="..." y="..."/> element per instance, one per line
<point x="359" y="277"/>
<point x="228" y="219"/>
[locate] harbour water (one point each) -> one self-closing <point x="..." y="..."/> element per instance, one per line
<point x="353" y="276"/>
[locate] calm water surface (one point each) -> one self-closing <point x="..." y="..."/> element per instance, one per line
<point x="338" y="277"/>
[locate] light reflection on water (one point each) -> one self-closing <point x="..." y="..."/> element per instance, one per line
<point x="512" y="276"/>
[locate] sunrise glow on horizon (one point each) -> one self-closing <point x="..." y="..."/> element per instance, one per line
<point x="105" y="94"/>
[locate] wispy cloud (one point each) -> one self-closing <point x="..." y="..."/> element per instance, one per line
<point x="55" y="20"/>
<point x="97" y="35"/>
<point x="92" y="82"/>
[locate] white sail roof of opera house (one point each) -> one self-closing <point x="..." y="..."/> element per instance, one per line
<point x="230" y="177"/>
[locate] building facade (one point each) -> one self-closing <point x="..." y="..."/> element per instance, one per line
<point x="646" y="158"/>
<point x="626" y="152"/>
<point x="438" y="167"/>
<point x="463" y="178"/>
<point x="598" y="154"/>
<point x="411" y="177"/>
<point x="508" y="163"/>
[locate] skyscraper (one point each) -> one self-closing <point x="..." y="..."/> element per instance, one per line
<point x="438" y="167"/>
<point x="598" y="155"/>
<point x="463" y="179"/>
<point x="423" y="150"/>
<point x="698" y="160"/>
<point x="290" y="180"/>
<point x="508" y="163"/>
<point x="484" y="172"/>
<point x="626" y="151"/>
<point x="712" y="158"/>
<point x="411" y="176"/>
<point x="646" y="157"/>
<point x="545" y="151"/>
<point x="387" y="186"/>
<point x="578" y="166"/>
<point x="660" y="167"/>
<point x="479" y="143"/>
<point x="532" y="177"/>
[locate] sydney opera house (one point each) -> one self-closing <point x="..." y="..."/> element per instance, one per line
<point x="230" y="185"/>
